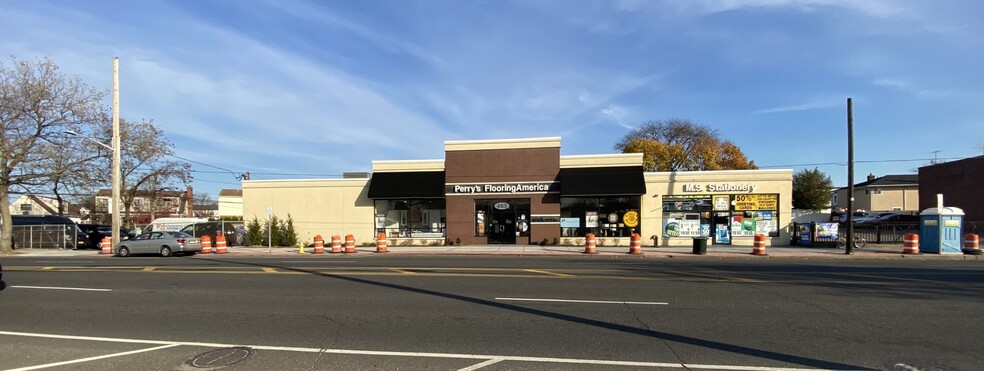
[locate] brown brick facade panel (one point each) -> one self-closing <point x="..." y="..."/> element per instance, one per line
<point x="961" y="183"/>
<point x="461" y="218"/>
<point x="493" y="166"/>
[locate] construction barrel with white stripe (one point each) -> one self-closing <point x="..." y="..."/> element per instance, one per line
<point x="589" y="244"/>
<point x="336" y="244"/>
<point x="758" y="245"/>
<point x="106" y="246"/>
<point x="349" y="243"/>
<point x="972" y="244"/>
<point x="910" y="243"/>
<point x="381" y="243"/>
<point x="206" y="244"/>
<point x="319" y="244"/>
<point x="220" y="244"/>
<point x="635" y="244"/>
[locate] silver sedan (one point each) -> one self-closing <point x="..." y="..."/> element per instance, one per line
<point x="163" y="242"/>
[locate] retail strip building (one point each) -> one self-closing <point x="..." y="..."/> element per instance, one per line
<point x="522" y="191"/>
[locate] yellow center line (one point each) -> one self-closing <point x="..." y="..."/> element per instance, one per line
<point x="47" y="268"/>
<point x="548" y="272"/>
<point x="269" y="270"/>
<point x="149" y="269"/>
<point x="404" y="271"/>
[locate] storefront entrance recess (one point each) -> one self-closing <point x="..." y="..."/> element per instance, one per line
<point x="505" y="220"/>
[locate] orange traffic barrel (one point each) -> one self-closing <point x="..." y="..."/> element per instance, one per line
<point x="758" y="245"/>
<point x="589" y="244"/>
<point x="910" y="243"/>
<point x="349" y="243"/>
<point x="635" y="244"/>
<point x="220" y="244"/>
<point x="336" y="244"/>
<point x="319" y="244"/>
<point x="972" y="244"/>
<point x="381" y="243"/>
<point x="206" y="244"/>
<point x="106" y="245"/>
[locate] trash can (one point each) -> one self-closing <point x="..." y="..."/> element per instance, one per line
<point x="700" y="245"/>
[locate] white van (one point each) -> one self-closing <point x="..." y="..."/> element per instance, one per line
<point x="171" y="224"/>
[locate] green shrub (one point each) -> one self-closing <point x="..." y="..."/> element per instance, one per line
<point x="288" y="234"/>
<point x="255" y="232"/>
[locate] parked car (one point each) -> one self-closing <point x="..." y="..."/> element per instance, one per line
<point x="869" y="217"/>
<point x="96" y="232"/>
<point x="3" y="285"/>
<point x="896" y="218"/>
<point x="165" y="243"/>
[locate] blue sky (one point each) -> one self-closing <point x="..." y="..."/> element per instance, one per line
<point x="297" y="89"/>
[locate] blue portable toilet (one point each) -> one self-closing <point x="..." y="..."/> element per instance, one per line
<point x="940" y="230"/>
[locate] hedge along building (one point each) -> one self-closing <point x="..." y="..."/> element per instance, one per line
<point x="522" y="191"/>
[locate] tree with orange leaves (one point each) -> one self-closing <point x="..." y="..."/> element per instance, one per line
<point x="682" y="145"/>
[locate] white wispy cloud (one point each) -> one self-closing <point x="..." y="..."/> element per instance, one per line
<point x="821" y="104"/>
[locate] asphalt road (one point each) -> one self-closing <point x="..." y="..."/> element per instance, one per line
<point x="489" y="313"/>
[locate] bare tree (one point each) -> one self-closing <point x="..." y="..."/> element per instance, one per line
<point x="37" y="104"/>
<point x="203" y="199"/>
<point x="678" y="144"/>
<point x="145" y="163"/>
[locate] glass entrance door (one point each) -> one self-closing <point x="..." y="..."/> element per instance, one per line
<point x="502" y="227"/>
<point x="503" y="221"/>
<point x="721" y="226"/>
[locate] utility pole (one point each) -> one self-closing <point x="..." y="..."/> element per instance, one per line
<point x="849" y="249"/>
<point x="116" y="151"/>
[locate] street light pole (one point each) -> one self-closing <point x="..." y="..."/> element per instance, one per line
<point x="116" y="151"/>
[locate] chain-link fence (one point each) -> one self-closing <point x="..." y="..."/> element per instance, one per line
<point x="51" y="236"/>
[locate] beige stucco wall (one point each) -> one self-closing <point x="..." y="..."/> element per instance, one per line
<point x="521" y="143"/>
<point x="620" y="159"/>
<point x="325" y="206"/>
<point x="906" y="198"/>
<point x="673" y="183"/>
<point x="230" y="206"/>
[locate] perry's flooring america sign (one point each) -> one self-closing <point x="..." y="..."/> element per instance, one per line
<point x="500" y="188"/>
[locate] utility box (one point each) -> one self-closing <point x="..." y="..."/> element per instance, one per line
<point x="940" y="230"/>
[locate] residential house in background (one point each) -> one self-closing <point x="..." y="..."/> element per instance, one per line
<point x="40" y="205"/>
<point x="147" y="206"/>
<point x="960" y="184"/>
<point x="230" y="203"/>
<point x="887" y="193"/>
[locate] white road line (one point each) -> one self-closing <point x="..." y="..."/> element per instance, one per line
<point x="416" y="354"/>
<point x="59" y="288"/>
<point x="583" y="301"/>
<point x="96" y="358"/>
<point x="483" y="364"/>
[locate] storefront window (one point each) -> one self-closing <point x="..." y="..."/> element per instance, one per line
<point x="688" y="215"/>
<point x="726" y="216"/>
<point x="420" y="218"/>
<point x="603" y="216"/>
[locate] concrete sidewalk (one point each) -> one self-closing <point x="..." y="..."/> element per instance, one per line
<point x="737" y="252"/>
